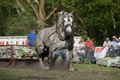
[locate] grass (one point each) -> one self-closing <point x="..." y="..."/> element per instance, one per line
<point x="84" y="72"/>
<point x="94" y="67"/>
<point x="13" y="74"/>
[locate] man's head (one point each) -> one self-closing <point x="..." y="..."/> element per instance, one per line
<point x="107" y="39"/>
<point x="34" y="31"/>
<point x="114" y="38"/>
<point x="88" y="38"/>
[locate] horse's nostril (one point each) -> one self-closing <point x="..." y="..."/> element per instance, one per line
<point x="69" y="29"/>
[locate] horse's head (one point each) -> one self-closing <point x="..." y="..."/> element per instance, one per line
<point x="65" y="24"/>
<point x="68" y="23"/>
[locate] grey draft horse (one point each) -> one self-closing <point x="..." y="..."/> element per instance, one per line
<point x="58" y="37"/>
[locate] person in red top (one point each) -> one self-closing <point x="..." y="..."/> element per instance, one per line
<point x="89" y="53"/>
<point x="89" y="43"/>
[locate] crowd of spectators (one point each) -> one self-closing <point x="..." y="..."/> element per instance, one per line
<point x="114" y="46"/>
<point x="87" y="48"/>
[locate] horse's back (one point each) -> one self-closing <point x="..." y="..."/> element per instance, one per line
<point x="44" y="34"/>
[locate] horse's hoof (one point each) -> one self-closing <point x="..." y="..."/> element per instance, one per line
<point x="47" y="67"/>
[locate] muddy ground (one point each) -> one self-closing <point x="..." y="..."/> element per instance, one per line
<point x="83" y="72"/>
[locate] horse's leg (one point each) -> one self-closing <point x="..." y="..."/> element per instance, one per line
<point x="46" y="63"/>
<point x="45" y="57"/>
<point x="70" y="64"/>
<point x="54" y="57"/>
<point x="50" y="56"/>
<point x="41" y="63"/>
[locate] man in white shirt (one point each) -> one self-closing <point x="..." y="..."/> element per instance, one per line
<point x="107" y="43"/>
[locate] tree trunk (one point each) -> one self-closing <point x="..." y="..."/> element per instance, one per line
<point x="39" y="11"/>
<point x="113" y="19"/>
<point x="41" y="19"/>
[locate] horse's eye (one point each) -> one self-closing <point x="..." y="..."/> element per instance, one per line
<point x="65" y="19"/>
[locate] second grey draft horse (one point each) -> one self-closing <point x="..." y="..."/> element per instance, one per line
<point x="58" y="37"/>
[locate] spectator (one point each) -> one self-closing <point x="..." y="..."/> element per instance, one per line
<point x="119" y="46"/>
<point x="82" y="43"/>
<point x="31" y="38"/>
<point x="89" y="53"/>
<point x="114" y="42"/>
<point x="114" y="45"/>
<point x="89" y="44"/>
<point x="82" y="50"/>
<point x="107" y="43"/>
<point x="119" y="42"/>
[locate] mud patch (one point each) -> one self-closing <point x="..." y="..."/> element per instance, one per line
<point x="59" y="64"/>
<point x="37" y="78"/>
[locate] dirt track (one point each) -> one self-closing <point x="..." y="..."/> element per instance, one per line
<point x="84" y="72"/>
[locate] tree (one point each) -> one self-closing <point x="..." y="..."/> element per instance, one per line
<point x="38" y="8"/>
<point x="7" y="9"/>
<point x="92" y="17"/>
<point x="28" y="13"/>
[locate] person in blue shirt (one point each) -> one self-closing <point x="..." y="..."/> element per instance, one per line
<point x="114" y="42"/>
<point x="31" y="38"/>
<point x="114" y="47"/>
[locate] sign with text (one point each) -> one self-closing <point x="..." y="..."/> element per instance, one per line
<point x="13" y="40"/>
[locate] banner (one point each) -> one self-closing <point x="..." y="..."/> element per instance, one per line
<point x="100" y="52"/>
<point x="13" y="40"/>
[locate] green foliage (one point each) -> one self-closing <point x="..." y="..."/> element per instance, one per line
<point x="97" y="18"/>
<point x="92" y="17"/>
<point x="20" y="25"/>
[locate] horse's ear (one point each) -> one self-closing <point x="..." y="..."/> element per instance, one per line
<point x="61" y="12"/>
<point x="71" y="13"/>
